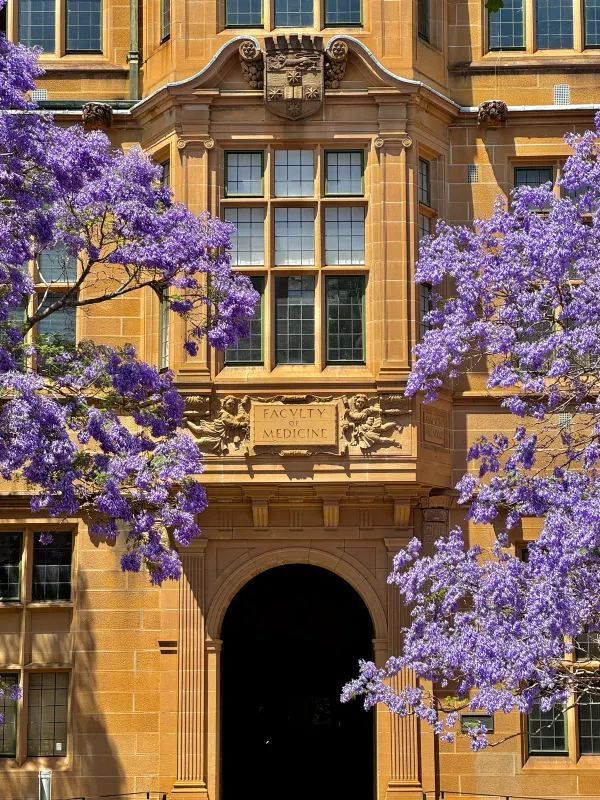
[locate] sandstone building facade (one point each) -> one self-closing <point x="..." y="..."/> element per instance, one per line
<point x="333" y="133"/>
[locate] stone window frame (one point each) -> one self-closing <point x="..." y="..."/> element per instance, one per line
<point x="60" y="33"/>
<point x="46" y="288"/>
<point x="267" y="23"/>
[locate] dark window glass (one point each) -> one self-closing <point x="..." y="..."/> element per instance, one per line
<point x="249" y="350"/>
<point x="533" y="176"/>
<point x="423" y="19"/>
<point x="345" y="319"/>
<point x="426" y="305"/>
<point x="243" y="14"/>
<point x="344" y="172"/>
<point x="244" y="174"/>
<point x="165" y="20"/>
<point x="592" y="23"/>
<point x="55" y="265"/>
<point x="506" y="27"/>
<point x="52" y="568"/>
<point x="37" y="23"/>
<point x="11" y="549"/>
<point x="424" y="182"/>
<point x="3" y="20"/>
<point x="554" y="24"/>
<point x="547" y="731"/>
<point x="8" y="710"/>
<point x="295" y="320"/>
<point x="84" y="26"/>
<point x="47" y="698"/>
<point x="163" y="331"/>
<point x="587" y="646"/>
<point x="588" y="710"/>
<point x="60" y="325"/>
<point x="424" y="226"/>
<point x="166" y="173"/>
<point x="343" y="12"/>
<point x="293" y="13"/>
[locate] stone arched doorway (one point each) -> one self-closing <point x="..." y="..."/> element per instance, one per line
<point x="291" y="638"/>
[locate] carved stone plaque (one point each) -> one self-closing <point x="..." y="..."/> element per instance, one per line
<point x="294" y="424"/>
<point x="434" y="427"/>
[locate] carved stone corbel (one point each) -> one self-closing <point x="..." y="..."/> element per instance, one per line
<point x="336" y="58"/>
<point x="492" y="113"/>
<point x="97" y="115"/>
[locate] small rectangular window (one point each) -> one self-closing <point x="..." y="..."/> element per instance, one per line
<point x="345" y="320"/>
<point x="294" y="173"/>
<point x="588" y="710"/>
<point x="243" y="13"/>
<point x="547" y="731"/>
<point x="48" y="699"/>
<point x="3" y="20"/>
<point x="37" y="25"/>
<point x="163" y="330"/>
<point x="248" y="239"/>
<point x="294" y="236"/>
<point x="426" y="306"/>
<point x="244" y="174"/>
<point x="250" y="349"/>
<point x="11" y="550"/>
<point x="424" y="182"/>
<point x="344" y="172"/>
<point x="533" y="176"/>
<point x="84" y="26"/>
<point x="592" y="23"/>
<point x="424" y="226"/>
<point x="470" y="721"/>
<point x="52" y="567"/>
<point x="8" y="710"/>
<point x="295" y="319"/>
<point x="423" y="19"/>
<point x="55" y="265"/>
<point x="554" y="24"/>
<point x="166" y="173"/>
<point x="343" y="12"/>
<point x="293" y="13"/>
<point x="60" y="326"/>
<point x="506" y="27"/>
<point x="344" y="235"/>
<point x="165" y="20"/>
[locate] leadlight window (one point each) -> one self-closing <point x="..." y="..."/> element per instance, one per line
<point x="84" y="26"/>
<point x="345" y="320"/>
<point x="60" y="325"/>
<point x="587" y="646"/>
<point x="294" y="173"/>
<point x="293" y="13"/>
<point x="423" y="21"/>
<point x="48" y="698"/>
<point x="295" y="319"/>
<point x="249" y="350"/>
<point x="588" y="710"/>
<point x="345" y="235"/>
<point x="506" y="27"/>
<point x="547" y="731"/>
<point x="294" y="236"/>
<point x="533" y="176"/>
<point x="344" y="172"/>
<point x="55" y="265"/>
<point x="592" y="23"/>
<point x="8" y="711"/>
<point x="424" y="182"/>
<point x="52" y="568"/>
<point x="248" y="239"/>
<point x="11" y="550"/>
<point x="165" y="20"/>
<point x="343" y="12"/>
<point x="554" y="24"/>
<point x="424" y="226"/>
<point x="37" y="27"/>
<point x="243" y="13"/>
<point x="244" y="174"/>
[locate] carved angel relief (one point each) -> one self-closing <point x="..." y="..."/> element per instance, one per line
<point x="369" y="422"/>
<point x="227" y="432"/>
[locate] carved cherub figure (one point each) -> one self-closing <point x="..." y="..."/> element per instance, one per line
<point x="364" y="424"/>
<point x="228" y="430"/>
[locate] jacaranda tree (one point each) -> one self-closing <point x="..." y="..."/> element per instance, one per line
<point x="494" y="631"/>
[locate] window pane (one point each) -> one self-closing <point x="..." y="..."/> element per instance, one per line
<point x="345" y="235"/>
<point x="554" y="24"/>
<point x="423" y="21"/>
<point x="165" y="19"/>
<point x="426" y="305"/>
<point x="294" y="236"/>
<point x="8" y="710"/>
<point x="293" y="13"/>
<point x="84" y="26"/>
<point x="345" y="319"/>
<point x="533" y="176"/>
<point x="166" y="173"/>
<point x="37" y="24"/>
<point x="344" y="172"/>
<point x="546" y="731"/>
<point x="60" y="325"/>
<point x="343" y="12"/>
<point x="243" y="13"/>
<point x="163" y="331"/>
<point x="47" y="723"/>
<point x="294" y="173"/>
<point x="295" y="320"/>
<point x="11" y="548"/>
<point x="592" y="23"/>
<point x="424" y="182"/>
<point x="424" y="226"/>
<point x="589" y="724"/>
<point x="587" y="646"/>
<point x="244" y="174"/>
<point x="55" y="265"/>
<point x="248" y="240"/>
<point x="249" y="350"/>
<point x="52" y="568"/>
<point x="506" y="27"/>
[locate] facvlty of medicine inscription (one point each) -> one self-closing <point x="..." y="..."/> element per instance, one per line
<point x="294" y="424"/>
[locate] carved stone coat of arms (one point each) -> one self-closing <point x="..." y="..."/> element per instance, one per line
<point x="294" y="75"/>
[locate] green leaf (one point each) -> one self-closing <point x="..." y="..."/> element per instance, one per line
<point x="494" y="5"/>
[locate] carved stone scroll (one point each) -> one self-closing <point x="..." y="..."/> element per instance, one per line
<point x="252" y="62"/>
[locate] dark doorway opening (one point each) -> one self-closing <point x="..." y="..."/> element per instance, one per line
<point x="291" y="638"/>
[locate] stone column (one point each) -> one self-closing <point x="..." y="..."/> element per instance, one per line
<point x="191" y="706"/>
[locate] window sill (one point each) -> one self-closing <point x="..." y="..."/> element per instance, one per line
<point x="551" y="61"/>
<point x="50" y="604"/>
<point x="10" y="604"/>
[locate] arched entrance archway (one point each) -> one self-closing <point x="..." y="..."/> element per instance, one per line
<point x="292" y="637"/>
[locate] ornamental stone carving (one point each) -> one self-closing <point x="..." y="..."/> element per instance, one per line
<point x="336" y="57"/>
<point x="492" y="113"/>
<point x="252" y="63"/>
<point x="370" y="423"/>
<point x="227" y="431"/>
<point x="97" y="114"/>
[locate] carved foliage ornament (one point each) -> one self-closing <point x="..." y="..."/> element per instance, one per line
<point x="97" y="114"/>
<point x="293" y="72"/>
<point x="492" y="112"/>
